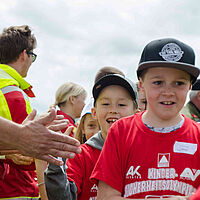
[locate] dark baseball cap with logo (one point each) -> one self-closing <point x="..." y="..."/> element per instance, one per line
<point x="171" y="53"/>
<point x="115" y="79"/>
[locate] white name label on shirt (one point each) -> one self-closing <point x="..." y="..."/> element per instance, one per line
<point x="184" y="147"/>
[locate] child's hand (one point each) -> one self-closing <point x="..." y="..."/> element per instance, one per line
<point x="20" y="159"/>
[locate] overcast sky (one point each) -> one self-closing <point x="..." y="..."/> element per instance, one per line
<point x="77" y="37"/>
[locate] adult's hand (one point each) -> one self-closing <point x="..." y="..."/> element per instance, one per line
<point x="38" y="141"/>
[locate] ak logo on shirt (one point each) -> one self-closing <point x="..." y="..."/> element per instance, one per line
<point x="133" y="173"/>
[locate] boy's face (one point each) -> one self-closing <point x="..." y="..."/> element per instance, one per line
<point x="166" y="90"/>
<point x="113" y="103"/>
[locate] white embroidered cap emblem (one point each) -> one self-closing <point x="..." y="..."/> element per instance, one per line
<point x="171" y="52"/>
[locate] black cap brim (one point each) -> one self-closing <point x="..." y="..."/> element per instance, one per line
<point x="190" y="69"/>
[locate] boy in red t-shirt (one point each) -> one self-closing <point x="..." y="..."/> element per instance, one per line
<point x="114" y="97"/>
<point x="155" y="154"/>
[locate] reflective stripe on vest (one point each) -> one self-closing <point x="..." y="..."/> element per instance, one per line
<point x="13" y="88"/>
<point x="5" y="75"/>
<point x="4" y="109"/>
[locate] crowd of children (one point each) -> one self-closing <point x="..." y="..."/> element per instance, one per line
<point x="135" y="143"/>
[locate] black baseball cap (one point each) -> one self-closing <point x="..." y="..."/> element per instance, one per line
<point x="196" y="85"/>
<point x="168" y="52"/>
<point x="115" y="79"/>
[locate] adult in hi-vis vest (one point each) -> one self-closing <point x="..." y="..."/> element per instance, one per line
<point x="17" y="172"/>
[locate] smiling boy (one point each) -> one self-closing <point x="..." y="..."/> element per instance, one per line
<point x="115" y="97"/>
<point x="155" y="153"/>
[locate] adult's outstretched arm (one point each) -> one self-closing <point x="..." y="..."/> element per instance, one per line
<point x="33" y="138"/>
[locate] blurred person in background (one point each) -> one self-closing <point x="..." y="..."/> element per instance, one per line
<point x="192" y="108"/>
<point x="87" y="126"/>
<point x="70" y="99"/>
<point x="142" y="101"/>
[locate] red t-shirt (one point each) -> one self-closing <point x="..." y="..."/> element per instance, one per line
<point x="71" y="122"/>
<point x="79" y="171"/>
<point x="17" y="180"/>
<point x="146" y="163"/>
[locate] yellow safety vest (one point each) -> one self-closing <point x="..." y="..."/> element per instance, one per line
<point x="11" y="80"/>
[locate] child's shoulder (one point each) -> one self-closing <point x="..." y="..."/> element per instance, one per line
<point x="126" y="124"/>
<point x="88" y="149"/>
<point x="87" y="153"/>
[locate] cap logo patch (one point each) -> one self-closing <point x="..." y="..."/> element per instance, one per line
<point x="171" y="52"/>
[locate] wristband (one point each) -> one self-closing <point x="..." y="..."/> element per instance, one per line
<point x="40" y="184"/>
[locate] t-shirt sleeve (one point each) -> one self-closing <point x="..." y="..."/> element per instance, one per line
<point x="76" y="170"/>
<point x="109" y="165"/>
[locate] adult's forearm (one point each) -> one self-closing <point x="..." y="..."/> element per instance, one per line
<point x="34" y="139"/>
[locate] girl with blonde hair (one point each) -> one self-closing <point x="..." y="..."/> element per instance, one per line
<point x="70" y="98"/>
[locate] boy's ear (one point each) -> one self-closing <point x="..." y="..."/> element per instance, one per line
<point x="140" y="84"/>
<point x="93" y="112"/>
<point x="190" y="86"/>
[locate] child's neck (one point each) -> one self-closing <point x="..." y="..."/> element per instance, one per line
<point x="154" y="121"/>
<point x="103" y="134"/>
